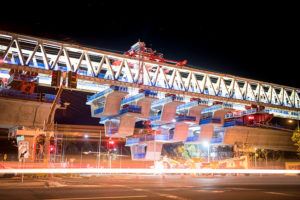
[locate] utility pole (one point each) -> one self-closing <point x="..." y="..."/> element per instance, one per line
<point x="47" y="125"/>
<point x="99" y="156"/>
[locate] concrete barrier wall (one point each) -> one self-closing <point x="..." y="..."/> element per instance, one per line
<point x="260" y="138"/>
<point x="23" y="112"/>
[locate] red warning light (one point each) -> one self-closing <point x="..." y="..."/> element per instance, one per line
<point x="111" y="142"/>
<point x="250" y="117"/>
<point x="52" y="149"/>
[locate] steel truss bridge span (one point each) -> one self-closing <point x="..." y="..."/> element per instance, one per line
<point x="107" y="68"/>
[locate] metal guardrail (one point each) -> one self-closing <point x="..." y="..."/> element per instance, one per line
<point x="233" y="123"/>
<point x="185" y="118"/>
<point x="139" y="155"/>
<point x="216" y="140"/>
<point x="192" y="138"/>
<point x="112" y="131"/>
<point x="132" y="98"/>
<point x="100" y="94"/>
<point x="98" y="110"/>
<point x="42" y="97"/>
<point x="210" y="120"/>
<point x="132" y="141"/>
<point x="161" y="102"/>
<point x="131" y="109"/>
<point x="155" y="118"/>
<point x="151" y="93"/>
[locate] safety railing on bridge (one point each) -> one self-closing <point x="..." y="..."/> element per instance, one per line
<point x="147" y="138"/>
<point x="161" y="102"/>
<point x="131" y="109"/>
<point x="216" y="140"/>
<point x="214" y="120"/>
<point x="151" y="93"/>
<point x="155" y="118"/>
<point x="233" y="123"/>
<point x="217" y="107"/>
<point x="192" y="138"/>
<point x="185" y="118"/>
<point x="98" y="95"/>
<point x="139" y="155"/>
<point x="47" y="98"/>
<point x="133" y="98"/>
<point x="98" y="111"/>
<point x="112" y="131"/>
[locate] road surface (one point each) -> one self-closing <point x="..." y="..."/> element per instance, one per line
<point x="152" y="187"/>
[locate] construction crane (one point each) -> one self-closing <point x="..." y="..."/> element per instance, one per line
<point x="140" y="51"/>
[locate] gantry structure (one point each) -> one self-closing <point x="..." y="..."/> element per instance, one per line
<point x="132" y="87"/>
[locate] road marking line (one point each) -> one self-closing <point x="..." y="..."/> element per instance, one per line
<point x="217" y="191"/>
<point x="250" y="189"/>
<point x="139" y="189"/>
<point x="170" y="196"/>
<point x="108" y="197"/>
<point x="279" y="193"/>
<point x="209" y="191"/>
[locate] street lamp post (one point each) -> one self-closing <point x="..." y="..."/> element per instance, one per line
<point x="255" y="157"/>
<point x="121" y="157"/>
<point x="206" y="144"/>
<point x="80" y="157"/>
<point x="99" y="155"/>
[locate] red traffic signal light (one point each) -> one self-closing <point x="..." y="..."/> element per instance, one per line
<point x="111" y="143"/>
<point x="250" y="117"/>
<point x="55" y="79"/>
<point x="52" y="148"/>
<point x="72" y="79"/>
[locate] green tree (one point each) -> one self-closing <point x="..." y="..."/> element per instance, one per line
<point x="188" y="151"/>
<point x="296" y="139"/>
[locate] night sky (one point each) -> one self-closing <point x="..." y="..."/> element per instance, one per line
<point x="258" y="41"/>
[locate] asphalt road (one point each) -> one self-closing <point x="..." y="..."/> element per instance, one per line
<point x="152" y="187"/>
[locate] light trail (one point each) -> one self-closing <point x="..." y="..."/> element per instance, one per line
<point x="145" y="171"/>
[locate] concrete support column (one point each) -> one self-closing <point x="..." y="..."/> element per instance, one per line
<point x="181" y="131"/>
<point x="169" y="111"/>
<point x="145" y="103"/>
<point x="113" y="103"/>
<point x="153" y="150"/>
<point x="221" y="114"/>
<point x="126" y="128"/>
<point x="196" y="112"/>
<point x="206" y="133"/>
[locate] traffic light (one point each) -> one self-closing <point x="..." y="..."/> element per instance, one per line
<point x="72" y="79"/>
<point x="111" y="143"/>
<point x="51" y="148"/>
<point x="55" y="80"/>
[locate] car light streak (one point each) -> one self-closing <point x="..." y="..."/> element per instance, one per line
<point x="145" y="171"/>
